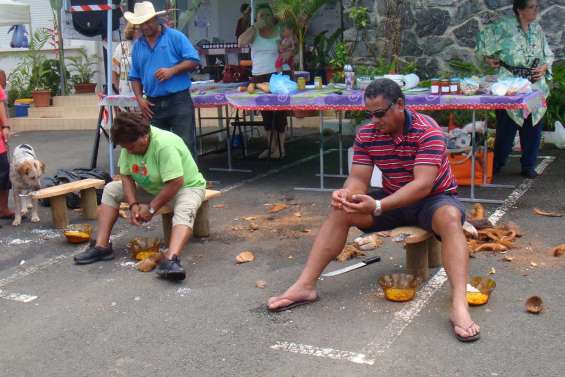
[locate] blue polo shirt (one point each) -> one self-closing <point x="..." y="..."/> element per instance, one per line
<point x="171" y="48"/>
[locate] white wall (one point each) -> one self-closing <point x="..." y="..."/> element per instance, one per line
<point x="41" y="16"/>
<point x="215" y="18"/>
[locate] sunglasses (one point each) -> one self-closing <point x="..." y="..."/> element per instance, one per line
<point x="379" y="113"/>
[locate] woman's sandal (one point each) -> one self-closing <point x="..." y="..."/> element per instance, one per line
<point x="465" y="339"/>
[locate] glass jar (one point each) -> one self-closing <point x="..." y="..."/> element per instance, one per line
<point x="318" y="84"/>
<point x="455" y="86"/>
<point x="301" y="83"/>
<point x="444" y="87"/>
<point x="435" y="86"/>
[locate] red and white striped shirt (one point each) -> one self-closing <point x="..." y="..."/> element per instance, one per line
<point x="421" y="143"/>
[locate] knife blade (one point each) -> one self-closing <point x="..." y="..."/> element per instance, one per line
<point x="363" y="263"/>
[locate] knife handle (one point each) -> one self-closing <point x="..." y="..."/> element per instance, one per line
<point x="372" y="259"/>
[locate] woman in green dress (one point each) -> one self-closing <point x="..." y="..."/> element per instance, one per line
<point x="517" y="46"/>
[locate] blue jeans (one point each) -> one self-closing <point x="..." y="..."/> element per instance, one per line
<point x="175" y="113"/>
<point x="530" y="137"/>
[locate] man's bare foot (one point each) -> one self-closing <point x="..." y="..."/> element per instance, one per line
<point x="293" y="295"/>
<point x="463" y="324"/>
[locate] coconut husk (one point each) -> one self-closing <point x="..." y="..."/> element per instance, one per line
<point x="277" y="207"/>
<point x="348" y="252"/>
<point x="478" y="212"/>
<point x="558" y="251"/>
<point x="540" y="212"/>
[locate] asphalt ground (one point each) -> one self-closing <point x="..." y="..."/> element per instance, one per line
<point x="107" y="319"/>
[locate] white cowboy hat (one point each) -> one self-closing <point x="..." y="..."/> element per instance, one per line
<point x="142" y="12"/>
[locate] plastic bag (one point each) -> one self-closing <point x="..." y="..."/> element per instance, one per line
<point x="72" y="175"/>
<point x="557" y="137"/>
<point x="19" y="38"/>
<point x="282" y="84"/>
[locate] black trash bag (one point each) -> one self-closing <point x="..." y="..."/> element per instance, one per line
<point x="73" y="175"/>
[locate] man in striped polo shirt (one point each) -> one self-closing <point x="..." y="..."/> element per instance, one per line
<point x="418" y="189"/>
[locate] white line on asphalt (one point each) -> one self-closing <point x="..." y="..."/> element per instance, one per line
<point x="273" y="171"/>
<point x="43" y="265"/>
<point x="328" y="353"/>
<point x="17" y="297"/>
<point x="519" y="192"/>
<point x="405" y="316"/>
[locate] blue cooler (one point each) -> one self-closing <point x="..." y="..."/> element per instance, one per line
<point x="21" y="109"/>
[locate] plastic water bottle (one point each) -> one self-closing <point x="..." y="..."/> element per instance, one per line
<point x="349" y="77"/>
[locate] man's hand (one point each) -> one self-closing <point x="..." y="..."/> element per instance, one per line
<point x="362" y="204"/>
<point x="493" y="62"/>
<point x="539" y="72"/>
<point x="338" y="197"/>
<point x="145" y="107"/>
<point x="134" y="216"/>
<point x="163" y="74"/>
<point x="5" y="132"/>
<point x="144" y="213"/>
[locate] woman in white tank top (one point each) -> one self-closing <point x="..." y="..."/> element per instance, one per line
<point x="264" y="37"/>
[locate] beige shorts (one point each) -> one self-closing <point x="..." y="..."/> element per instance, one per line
<point x="185" y="203"/>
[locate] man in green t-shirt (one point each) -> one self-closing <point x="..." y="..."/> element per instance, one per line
<point x="156" y="168"/>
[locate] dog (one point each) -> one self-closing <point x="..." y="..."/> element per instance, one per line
<point x="25" y="174"/>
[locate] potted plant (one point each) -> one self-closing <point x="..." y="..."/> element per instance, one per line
<point x="34" y="60"/>
<point x="321" y="52"/>
<point x="82" y="72"/>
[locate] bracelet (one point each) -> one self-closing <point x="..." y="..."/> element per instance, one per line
<point x="133" y="204"/>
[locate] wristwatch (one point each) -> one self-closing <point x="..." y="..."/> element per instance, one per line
<point x="378" y="209"/>
<point x="152" y="211"/>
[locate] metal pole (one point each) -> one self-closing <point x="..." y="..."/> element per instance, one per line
<point x="473" y="140"/>
<point x="109" y="83"/>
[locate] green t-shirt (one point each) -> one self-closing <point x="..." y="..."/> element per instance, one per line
<point x="166" y="158"/>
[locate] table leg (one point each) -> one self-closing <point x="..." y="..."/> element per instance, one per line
<point x="229" y="169"/>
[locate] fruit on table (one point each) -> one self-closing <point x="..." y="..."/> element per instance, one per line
<point x="251" y="88"/>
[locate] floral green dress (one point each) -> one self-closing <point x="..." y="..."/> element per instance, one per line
<point x="507" y="41"/>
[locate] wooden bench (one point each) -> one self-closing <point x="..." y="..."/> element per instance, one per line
<point x="423" y="249"/>
<point x="58" y="202"/>
<point x="201" y="223"/>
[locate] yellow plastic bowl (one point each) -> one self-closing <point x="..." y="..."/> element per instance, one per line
<point x="485" y="285"/>
<point x="143" y="247"/>
<point x="78" y="233"/>
<point x="399" y="287"/>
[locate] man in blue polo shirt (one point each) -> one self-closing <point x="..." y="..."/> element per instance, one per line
<point x="162" y="60"/>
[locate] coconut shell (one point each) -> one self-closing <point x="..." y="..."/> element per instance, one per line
<point x="244" y="257"/>
<point x="534" y="305"/>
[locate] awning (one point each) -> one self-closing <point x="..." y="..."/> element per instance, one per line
<point x="14" y="13"/>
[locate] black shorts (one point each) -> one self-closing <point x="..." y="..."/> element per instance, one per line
<point x="419" y="214"/>
<point x="5" y="184"/>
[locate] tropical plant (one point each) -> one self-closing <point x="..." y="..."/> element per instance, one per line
<point x="298" y="14"/>
<point x="56" y="7"/>
<point x="339" y="60"/>
<point x="18" y="81"/>
<point x="466" y="69"/>
<point x="82" y="67"/>
<point x="556" y="100"/>
<point x="323" y="48"/>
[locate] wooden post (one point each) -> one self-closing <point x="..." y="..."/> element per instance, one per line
<point x="167" y="219"/>
<point x="88" y="203"/>
<point x="59" y="211"/>
<point x="434" y="252"/>
<point x="417" y="259"/>
<point x="202" y="222"/>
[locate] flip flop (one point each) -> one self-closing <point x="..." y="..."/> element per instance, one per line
<point x="292" y="305"/>
<point x="465" y="339"/>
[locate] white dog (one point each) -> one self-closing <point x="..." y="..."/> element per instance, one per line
<point x="25" y="172"/>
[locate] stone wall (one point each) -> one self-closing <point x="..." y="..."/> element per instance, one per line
<point x="435" y="31"/>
